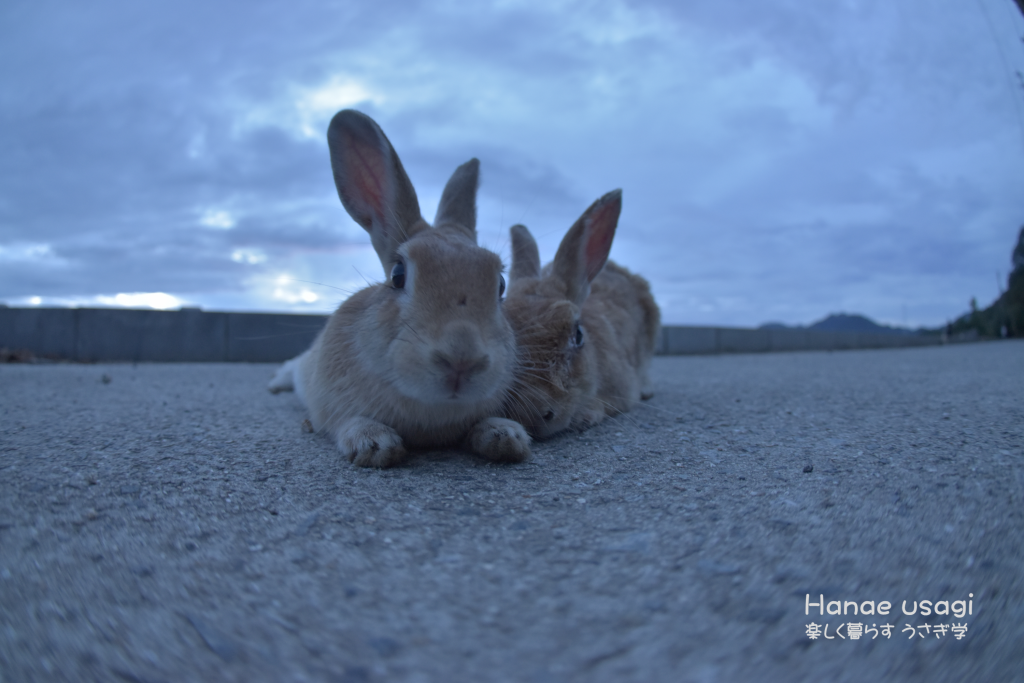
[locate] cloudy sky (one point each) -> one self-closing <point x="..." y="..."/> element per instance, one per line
<point x="779" y="160"/>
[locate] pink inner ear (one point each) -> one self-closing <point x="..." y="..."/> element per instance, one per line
<point x="367" y="177"/>
<point x="601" y="231"/>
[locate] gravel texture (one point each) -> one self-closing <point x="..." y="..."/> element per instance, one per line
<point x="176" y="523"/>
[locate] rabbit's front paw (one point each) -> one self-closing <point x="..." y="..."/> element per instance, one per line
<point x="498" y="439"/>
<point x="282" y="381"/>
<point x="587" y="418"/>
<point x="368" y="443"/>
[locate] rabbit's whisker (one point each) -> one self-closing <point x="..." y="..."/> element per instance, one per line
<point x="319" y="284"/>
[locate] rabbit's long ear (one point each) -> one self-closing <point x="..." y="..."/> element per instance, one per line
<point x="584" y="249"/>
<point x="458" y="201"/>
<point x="372" y="184"/>
<point x="525" y="257"/>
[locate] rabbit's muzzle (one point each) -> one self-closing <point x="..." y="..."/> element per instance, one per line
<point x="458" y="372"/>
<point x="460" y="359"/>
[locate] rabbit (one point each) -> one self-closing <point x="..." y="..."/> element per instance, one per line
<point x="425" y="358"/>
<point x="586" y="327"/>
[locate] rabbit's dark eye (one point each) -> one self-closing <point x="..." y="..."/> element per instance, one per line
<point x="577" y="339"/>
<point x="501" y="285"/>
<point x="549" y="416"/>
<point x="398" y="275"/>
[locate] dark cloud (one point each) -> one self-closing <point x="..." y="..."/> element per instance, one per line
<point x="777" y="157"/>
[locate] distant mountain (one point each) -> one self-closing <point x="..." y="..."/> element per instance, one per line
<point x="842" y="322"/>
<point x="1003" y="318"/>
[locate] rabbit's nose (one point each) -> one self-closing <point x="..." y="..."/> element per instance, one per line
<point x="460" y="355"/>
<point x="459" y="369"/>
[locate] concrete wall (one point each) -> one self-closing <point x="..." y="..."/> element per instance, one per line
<point x="705" y="340"/>
<point x="114" y="334"/>
<point x="111" y="334"/>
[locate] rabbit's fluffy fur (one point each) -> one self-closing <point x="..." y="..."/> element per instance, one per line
<point x="586" y="328"/>
<point x="424" y="359"/>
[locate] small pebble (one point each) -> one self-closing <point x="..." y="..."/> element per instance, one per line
<point x="808" y="468"/>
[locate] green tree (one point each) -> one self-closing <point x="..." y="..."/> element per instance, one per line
<point x="1013" y="298"/>
<point x="1006" y="314"/>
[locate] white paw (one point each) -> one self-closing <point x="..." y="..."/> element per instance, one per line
<point x="284" y="379"/>
<point x="587" y="418"/>
<point x="368" y="443"/>
<point x="498" y="439"/>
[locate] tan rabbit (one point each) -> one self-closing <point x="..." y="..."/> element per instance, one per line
<point x="586" y="329"/>
<point x="424" y="359"/>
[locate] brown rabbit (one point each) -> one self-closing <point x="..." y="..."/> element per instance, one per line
<point x="425" y="358"/>
<point x="586" y="329"/>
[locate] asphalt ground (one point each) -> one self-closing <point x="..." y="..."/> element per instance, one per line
<point x="173" y="522"/>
